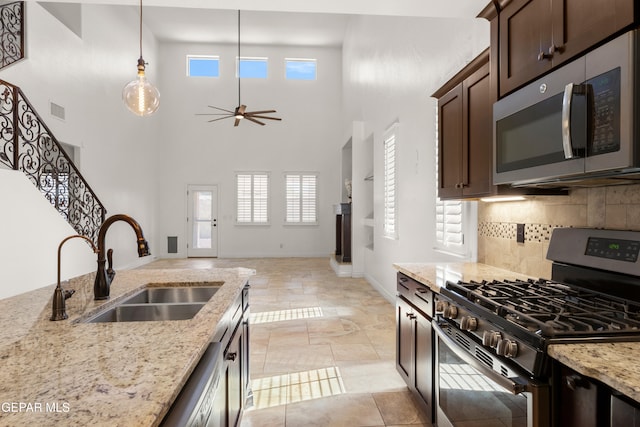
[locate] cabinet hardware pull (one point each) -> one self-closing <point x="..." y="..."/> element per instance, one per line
<point x="542" y="56"/>
<point x="232" y="356"/>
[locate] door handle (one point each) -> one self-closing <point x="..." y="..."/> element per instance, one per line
<point x="567" y="100"/>
<point x="566" y="121"/>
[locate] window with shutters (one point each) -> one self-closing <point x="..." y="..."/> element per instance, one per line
<point x="302" y="198"/>
<point x="390" y="212"/>
<point x="252" y="198"/>
<point x="449" y="216"/>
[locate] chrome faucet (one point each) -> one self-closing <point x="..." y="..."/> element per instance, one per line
<point x="104" y="276"/>
<point x="59" y="295"/>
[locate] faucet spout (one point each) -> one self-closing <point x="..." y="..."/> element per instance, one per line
<point x="104" y="275"/>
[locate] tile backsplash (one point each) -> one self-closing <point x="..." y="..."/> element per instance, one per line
<point x="616" y="207"/>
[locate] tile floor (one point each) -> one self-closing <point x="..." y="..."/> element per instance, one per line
<point x="322" y="347"/>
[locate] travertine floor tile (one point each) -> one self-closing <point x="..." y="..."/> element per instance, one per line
<point x="322" y="347"/>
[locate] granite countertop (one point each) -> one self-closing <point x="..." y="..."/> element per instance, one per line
<point x="103" y="374"/>
<point x="436" y="275"/>
<point x="605" y="362"/>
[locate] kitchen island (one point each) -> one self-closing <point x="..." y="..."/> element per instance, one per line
<point x="608" y="363"/>
<point x="105" y="374"/>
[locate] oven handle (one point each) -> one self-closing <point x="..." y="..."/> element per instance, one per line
<point x="513" y="385"/>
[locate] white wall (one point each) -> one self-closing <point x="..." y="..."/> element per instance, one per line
<point x="85" y="76"/>
<point x="391" y="67"/>
<point x="193" y="151"/>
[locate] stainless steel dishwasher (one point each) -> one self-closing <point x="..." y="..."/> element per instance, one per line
<point x="194" y="406"/>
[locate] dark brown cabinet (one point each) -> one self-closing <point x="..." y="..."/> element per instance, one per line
<point x="465" y="132"/>
<point x="538" y="35"/>
<point x="414" y="340"/>
<point x="235" y="381"/>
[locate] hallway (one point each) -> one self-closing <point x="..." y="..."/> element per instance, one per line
<point x="322" y="347"/>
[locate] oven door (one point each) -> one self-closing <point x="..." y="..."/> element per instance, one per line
<point x="471" y="392"/>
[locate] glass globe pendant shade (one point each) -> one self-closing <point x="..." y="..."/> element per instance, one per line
<point x="140" y="96"/>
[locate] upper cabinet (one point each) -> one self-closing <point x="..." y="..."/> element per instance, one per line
<point x="465" y="132"/>
<point x="534" y="36"/>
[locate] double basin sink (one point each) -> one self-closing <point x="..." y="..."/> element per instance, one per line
<point x="153" y="303"/>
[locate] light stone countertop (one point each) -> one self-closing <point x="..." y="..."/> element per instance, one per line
<point x="435" y="275"/>
<point x="610" y="363"/>
<point x="70" y="373"/>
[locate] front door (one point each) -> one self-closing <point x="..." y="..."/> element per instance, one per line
<point x="202" y="220"/>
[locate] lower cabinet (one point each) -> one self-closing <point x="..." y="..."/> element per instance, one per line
<point x="414" y="350"/>
<point x="235" y="375"/>
<point x="233" y="381"/>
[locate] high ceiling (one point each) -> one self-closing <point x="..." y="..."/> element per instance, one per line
<point x="290" y="22"/>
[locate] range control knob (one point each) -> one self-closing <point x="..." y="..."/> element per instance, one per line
<point x="507" y="348"/>
<point x="450" y="312"/>
<point x="440" y="306"/>
<point x="491" y="338"/>
<point x="468" y="323"/>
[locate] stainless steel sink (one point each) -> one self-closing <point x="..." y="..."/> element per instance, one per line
<point x="154" y="303"/>
<point x="172" y="295"/>
<point x="146" y="312"/>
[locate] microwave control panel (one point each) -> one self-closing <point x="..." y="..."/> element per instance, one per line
<point x="605" y="126"/>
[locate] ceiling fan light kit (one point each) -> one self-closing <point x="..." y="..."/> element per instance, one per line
<point x="240" y="112"/>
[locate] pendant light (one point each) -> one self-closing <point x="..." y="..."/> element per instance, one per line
<point x="140" y="96"/>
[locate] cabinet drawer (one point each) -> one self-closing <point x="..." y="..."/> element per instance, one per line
<point x="423" y="300"/>
<point x="406" y="286"/>
<point x="416" y="293"/>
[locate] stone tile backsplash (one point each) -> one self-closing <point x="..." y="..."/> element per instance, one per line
<point x="602" y="207"/>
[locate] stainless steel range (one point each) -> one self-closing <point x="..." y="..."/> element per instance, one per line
<point x="496" y="332"/>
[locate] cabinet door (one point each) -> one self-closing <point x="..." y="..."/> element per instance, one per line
<point x="580" y="24"/>
<point x="450" y="144"/>
<point x="233" y="377"/>
<point x="525" y="37"/>
<point x="404" y="339"/>
<point x="477" y="145"/>
<point x="424" y="362"/>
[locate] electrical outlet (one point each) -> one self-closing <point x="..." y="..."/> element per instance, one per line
<point x="520" y="233"/>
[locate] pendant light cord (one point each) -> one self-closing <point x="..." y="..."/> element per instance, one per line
<point x="140" y="28"/>
<point x="239" y="60"/>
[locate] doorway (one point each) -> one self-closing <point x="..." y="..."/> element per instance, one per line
<point x="202" y="220"/>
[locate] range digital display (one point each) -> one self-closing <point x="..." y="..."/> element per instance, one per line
<point x="618" y="249"/>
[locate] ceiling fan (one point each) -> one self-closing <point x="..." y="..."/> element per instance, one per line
<point x="240" y="112"/>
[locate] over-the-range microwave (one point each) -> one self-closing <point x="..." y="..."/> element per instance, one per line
<point x="576" y="125"/>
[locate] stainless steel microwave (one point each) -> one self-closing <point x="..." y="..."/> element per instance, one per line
<point x="576" y="125"/>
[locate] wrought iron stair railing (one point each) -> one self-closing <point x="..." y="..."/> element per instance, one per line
<point x="11" y="33"/>
<point x="27" y="145"/>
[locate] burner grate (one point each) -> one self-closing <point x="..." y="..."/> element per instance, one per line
<point x="549" y="308"/>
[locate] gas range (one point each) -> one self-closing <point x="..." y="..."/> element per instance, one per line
<point x="593" y="295"/>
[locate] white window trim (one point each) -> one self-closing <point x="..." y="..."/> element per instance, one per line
<point x="212" y="57"/>
<point x="391" y="132"/>
<point x="268" y="204"/>
<point x="315" y="61"/>
<point x="252" y="58"/>
<point x="300" y="199"/>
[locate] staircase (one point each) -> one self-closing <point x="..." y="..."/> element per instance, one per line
<point x="11" y="33"/>
<point x="27" y="145"/>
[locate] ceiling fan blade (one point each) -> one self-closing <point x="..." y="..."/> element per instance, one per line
<point x="214" y="114"/>
<point x="241" y="109"/>
<point x="262" y="117"/>
<point x="251" y="119"/>
<point x="219" y="118"/>
<point x="237" y="122"/>
<point x="261" y="112"/>
<point x="221" y="109"/>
